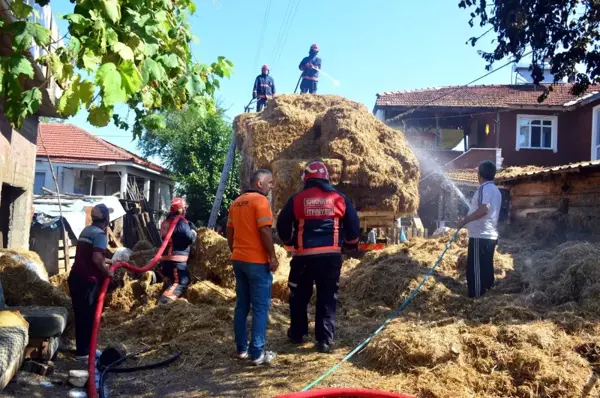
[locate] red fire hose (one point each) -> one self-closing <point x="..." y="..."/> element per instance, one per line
<point x="92" y="393"/>
<point x="343" y="392"/>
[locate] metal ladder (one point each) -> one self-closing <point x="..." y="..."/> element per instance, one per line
<point x="214" y="213"/>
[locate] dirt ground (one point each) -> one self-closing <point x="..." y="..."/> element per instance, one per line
<point x="205" y="338"/>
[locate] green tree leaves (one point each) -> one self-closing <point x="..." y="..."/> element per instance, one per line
<point x="119" y="51"/>
<point x="194" y="148"/>
<point x="562" y="34"/>
<point x="112" y="90"/>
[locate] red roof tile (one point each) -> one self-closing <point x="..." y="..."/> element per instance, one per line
<point x="492" y="96"/>
<point x="66" y="143"/>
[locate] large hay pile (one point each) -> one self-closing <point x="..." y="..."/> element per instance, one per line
<point x="22" y="286"/>
<point x="369" y="161"/>
<point x="211" y="261"/>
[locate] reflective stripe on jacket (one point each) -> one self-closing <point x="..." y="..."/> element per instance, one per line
<point x="178" y="248"/>
<point x="318" y="220"/>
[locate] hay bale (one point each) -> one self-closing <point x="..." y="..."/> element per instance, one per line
<point x="143" y="245"/>
<point x="405" y="347"/>
<point x="142" y="258"/>
<point x="22" y="286"/>
<point x="206" y="292"/>
<point x="569" y="274"/>
<point x="288" y="177"/>
<point x="509" y="361"/>
<point x="212" y="261"/>
<point x="132" y="293"/>
<point x="28" y="258"/>
<point x="376" y="167"/>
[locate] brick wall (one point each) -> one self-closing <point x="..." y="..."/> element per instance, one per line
<point x="17" y="169"/>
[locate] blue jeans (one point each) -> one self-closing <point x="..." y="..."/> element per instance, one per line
<point x="253" y="290"/>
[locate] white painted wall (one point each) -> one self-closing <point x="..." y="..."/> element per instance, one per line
<point x="64" y="175"/>
<point x="70" y="183"/>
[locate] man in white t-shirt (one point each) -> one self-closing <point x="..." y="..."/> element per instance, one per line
<point x="482" y="224"/>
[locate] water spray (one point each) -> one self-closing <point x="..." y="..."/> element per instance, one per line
<point x="333" y="80"/>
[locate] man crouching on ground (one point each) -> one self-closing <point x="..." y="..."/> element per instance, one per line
<point x="482" y="224"/>
<point x="250" y="239"/>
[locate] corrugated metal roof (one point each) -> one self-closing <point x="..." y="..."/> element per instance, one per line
<point x="73" y="208"/>
<point x="573" y="167"/>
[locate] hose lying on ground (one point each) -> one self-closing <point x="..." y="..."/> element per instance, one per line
<point x="110" y="368"/>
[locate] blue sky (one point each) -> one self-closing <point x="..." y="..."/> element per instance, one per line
<point x="368" y="46"/>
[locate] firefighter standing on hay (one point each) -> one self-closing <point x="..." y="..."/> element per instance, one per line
<point x="174" y="259"/>
<point x="316" y="222"/>
<point x="264" y="88"/>
<point x="310" y="67"/>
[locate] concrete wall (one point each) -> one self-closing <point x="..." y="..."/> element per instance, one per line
<point x="17" y="165"/>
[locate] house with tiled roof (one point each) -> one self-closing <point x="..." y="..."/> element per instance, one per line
<point x="86" y="164"/>
<point x="506" y="124"/>
<point x="560" y="130"/>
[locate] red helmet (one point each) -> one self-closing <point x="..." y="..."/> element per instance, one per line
<point x="265" y="67"/>
<point x="315" y="169"/>
<point x="315" y="47"/>
<point x="177" y="204"/>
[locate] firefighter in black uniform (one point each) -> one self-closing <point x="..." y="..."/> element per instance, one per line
<point x="310" y="67"/>
<point x="264" y="88"/>
<point x="317" y="222"/>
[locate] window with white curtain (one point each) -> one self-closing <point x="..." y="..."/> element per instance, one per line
<point x="537" y="132"/>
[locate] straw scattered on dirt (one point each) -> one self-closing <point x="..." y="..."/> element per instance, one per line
<point x="532" y="335"/>
<point x="369" y="161"/>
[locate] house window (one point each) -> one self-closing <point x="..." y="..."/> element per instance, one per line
<point x="40" y="180"/>
<point x="596" y="133"/>
<point x="537" y="132"/>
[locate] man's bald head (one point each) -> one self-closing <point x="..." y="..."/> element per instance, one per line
<point x="262" y="181"/>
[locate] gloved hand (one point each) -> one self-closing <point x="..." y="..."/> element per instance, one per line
<point x="310" y="65"/>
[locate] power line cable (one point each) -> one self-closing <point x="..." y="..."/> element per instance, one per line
<point x="287" y="32"/>
<point x="288" y="13"/>
<point x="263" y="30"/>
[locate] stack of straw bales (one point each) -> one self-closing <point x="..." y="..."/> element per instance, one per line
<point x="211" y="261"/>
<point x="368" y="161"/>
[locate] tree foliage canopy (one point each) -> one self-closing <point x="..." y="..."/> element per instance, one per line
<point x="134" y="52"/>
<point x="566" y="32"/>
<point x="194" y="148"/>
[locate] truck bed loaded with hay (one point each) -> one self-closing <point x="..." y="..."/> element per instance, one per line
<point x="368" y="161"/>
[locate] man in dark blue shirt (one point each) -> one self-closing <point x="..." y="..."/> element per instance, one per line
<point x="264" y="88"/>
<point x="310" y="67"/>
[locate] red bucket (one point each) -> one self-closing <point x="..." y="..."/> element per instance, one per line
<point x="343" y="392"/>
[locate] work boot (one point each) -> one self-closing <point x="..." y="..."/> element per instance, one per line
<point x="294" y="340"/>
<point x="324" y="348"/>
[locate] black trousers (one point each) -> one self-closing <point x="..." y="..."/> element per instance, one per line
<point x="84" y="296"/>
<point x="480" y="266"/>
<point x="260" y="103"/>
<point x="324" y="271"/>
<point x="179" y="279"/>
<point x="308" y="86"/>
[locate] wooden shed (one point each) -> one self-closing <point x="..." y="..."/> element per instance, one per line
<point x="568" y="196"/>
